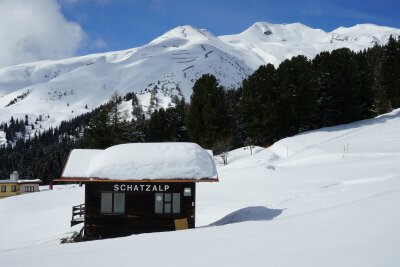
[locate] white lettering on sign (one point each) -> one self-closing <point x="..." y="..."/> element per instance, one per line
<point x="140" y="188"/>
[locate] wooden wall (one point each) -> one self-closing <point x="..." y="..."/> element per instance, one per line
<point x="139" y="215"/>
<point x="9" y="192"/>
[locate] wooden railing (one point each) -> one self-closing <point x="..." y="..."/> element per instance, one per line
<point x="78" y="214"/>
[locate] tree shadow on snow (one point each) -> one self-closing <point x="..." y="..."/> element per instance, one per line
<point x="258" y="213"/>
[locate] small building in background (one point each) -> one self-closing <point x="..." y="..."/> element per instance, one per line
<point x="138" y="188"/>
<point x="14" y="186"/>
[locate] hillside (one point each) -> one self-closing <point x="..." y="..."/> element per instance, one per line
<point x="323" y="198"/>
<point x="164" y="69"/>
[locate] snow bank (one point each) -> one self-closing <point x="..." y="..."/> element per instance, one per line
<point x="143" y="161"/>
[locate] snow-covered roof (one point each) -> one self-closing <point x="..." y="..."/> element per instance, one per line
<point x="8" y="181"/>
<point x="78" y="162"/>
<point x="34" y="181"/>
<point x="142" y="161"/>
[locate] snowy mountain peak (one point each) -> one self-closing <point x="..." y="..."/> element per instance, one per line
<point x="368" y="30"/>
<point x="186" y="32"/>
<point x="165" y="69"/>
<point x="364" y="28"/>
<point x="269" y="32"/>
<point x="366" y="33"/>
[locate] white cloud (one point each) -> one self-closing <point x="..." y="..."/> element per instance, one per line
<point x="35" y="30"/>
<point x="99" y="43"/>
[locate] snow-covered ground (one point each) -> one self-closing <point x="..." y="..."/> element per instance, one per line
<point x="329" y="197"/>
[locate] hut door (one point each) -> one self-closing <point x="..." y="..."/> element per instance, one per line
<point x="166" y="203"/>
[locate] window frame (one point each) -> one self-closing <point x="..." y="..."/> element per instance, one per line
<point x="14" y="188"/>
<point x="3" y="189"/>
<point x="167" y="203"/>
<point x="29" y="189"/>
<point x="113" y="203"/>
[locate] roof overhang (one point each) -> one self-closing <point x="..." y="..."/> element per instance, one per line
<point x="104" y="180"/>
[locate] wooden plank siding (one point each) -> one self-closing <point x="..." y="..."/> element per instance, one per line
<point x="139" y="215"/>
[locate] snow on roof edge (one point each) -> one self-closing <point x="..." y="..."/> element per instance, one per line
<point x="141" y="162"/>
<point x="78" y="159"/>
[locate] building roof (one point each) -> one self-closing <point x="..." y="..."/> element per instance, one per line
<point x="141" y="161"/>
<point x="35" y="181"/>
<point x="8" y="181"/>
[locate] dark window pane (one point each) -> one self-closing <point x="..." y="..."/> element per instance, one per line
<point x="167" y="197"/>
<point x="167" y="208"/>
<point x="187" y="192"/>
<point x="176" y="203"/>
<point x="159" y="203"/>
<point x="119" y="202"/>
<point x="106" y="202"/>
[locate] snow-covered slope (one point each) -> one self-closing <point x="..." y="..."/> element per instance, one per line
<point x="265" y="43"/>
<point x="166" y="67"/>
<point x="329" y="197"/>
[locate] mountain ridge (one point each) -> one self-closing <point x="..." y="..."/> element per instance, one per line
<point x="165" y="68"/>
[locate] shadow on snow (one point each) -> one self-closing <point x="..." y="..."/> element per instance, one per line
<point x="258" y="213"/>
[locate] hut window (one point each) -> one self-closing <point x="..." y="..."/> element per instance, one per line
<point x="167" y="203"/>
<point x="119" y="202"/>
<point x="29" y="189"/>
<point x="159" y="203"/>
<point x="176" y="203"/>
<point x="112" y="202"/>
<point x="187" y="192"/>
<point x="13" y="188"/>
<point x="3" y="188"/>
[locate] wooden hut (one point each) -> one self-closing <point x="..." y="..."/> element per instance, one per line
<point x="15" y="186"/>
<point x="138" y="188"/>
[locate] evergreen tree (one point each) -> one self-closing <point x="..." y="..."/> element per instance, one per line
<point x="109" y="126"/>
<point x="296" y="101"/>
<point x="391" y="71"/>
<point x="207" y="118"/>
<point x="258" y="105"/>
<point x="338" y="87"/>
<point x="158" y="128"/>
<point x="98" y="133"/>
<point x="374" y="60"/>
<point x="366" y="81"/>
<point x="233" y="100"/>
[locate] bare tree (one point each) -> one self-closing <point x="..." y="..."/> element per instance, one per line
<point x="250" y="143"/>
<point x="222" y="147"/>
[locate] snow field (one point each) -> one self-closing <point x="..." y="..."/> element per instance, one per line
<point x="296" y="203"/>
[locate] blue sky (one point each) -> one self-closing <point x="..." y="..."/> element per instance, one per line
<point x="121" y="24"/>
<point x="55" y="29"/>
